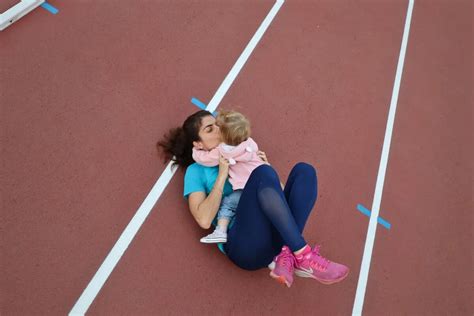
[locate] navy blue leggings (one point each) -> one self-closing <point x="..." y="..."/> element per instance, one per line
<point x="268" y="218"/>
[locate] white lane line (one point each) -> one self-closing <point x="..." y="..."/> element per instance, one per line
<point x="101" y="276"/>
<point x="94" y="286"/>
<point x="229" y="79"/>
<point x="369" y="242"/>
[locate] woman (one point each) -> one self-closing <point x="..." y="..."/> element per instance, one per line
<point x="268" y="220"/>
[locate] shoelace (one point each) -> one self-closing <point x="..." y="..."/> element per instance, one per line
<point x="316" y="260"/>
<point x="287" y="259"/>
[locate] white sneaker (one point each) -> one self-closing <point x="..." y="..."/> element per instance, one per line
<point x="216" y="237"/>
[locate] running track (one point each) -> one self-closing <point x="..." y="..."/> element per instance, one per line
<point x="86" y="93"/>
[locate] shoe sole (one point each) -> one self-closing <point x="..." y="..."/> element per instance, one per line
<point x="281" y="279"/>
<point x="304" y="274"/>
<point x="213" y="241"/>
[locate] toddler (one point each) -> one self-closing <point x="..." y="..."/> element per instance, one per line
<point x="241" y="151"/>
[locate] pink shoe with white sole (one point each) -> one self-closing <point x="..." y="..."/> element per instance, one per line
<point x="283" y="267"/>
<point x="310" y="264"/>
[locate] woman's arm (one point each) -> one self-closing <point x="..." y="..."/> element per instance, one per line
<point x="204" y="208"/>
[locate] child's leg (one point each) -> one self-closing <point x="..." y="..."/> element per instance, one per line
<point x="222" y="224"/>
<point x="225" y="214"/>
<point x="227" y="209"/>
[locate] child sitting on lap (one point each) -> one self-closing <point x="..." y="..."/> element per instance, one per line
<point x="241" y="151"/>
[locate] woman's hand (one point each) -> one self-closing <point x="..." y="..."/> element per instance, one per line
<point x="263" y="156"/>
<point x="223" y="167"/>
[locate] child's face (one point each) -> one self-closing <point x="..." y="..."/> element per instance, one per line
<point x="209" y="134"/>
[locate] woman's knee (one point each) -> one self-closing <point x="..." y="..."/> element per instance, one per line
<point x="304" y="168"/>
<point x="265" y="172"/>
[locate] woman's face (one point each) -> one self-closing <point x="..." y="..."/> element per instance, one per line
<point x="208" y="133"/>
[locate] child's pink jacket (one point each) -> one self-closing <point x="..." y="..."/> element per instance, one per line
<point x="243" y="159"/>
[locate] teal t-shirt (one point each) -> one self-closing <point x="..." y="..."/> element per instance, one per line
<point x="200" y="178"/>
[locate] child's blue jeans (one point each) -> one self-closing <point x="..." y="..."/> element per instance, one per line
<point x="229" y="205"/>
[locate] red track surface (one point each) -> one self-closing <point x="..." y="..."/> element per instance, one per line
<point x="87" y="93"/>
<point x="7" y="4"/>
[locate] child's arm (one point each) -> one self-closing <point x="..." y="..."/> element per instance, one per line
<point x="248" y="152"/>
<point x="206" y="158"/>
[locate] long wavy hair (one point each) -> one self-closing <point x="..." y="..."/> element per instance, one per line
<point x="177" y="143"/>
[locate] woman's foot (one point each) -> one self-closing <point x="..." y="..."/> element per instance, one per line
<point x="310" y="264"/>
<point x="283" y="266"/>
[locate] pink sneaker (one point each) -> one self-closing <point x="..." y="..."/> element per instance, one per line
<point x="283" y="266"/>
<point x="310" y="264"/>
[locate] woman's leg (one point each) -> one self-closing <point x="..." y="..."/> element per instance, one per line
<point x="301" y="192"/>
<point x="262" y="213"/>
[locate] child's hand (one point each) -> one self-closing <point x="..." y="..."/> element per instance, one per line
<point x="263" y="156"/>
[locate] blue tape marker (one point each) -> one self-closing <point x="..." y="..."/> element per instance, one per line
<point x="380" y="220"/>
<point x="49" y="7"/>
<point x="200" y="105"/>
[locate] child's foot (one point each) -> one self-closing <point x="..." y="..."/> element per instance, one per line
<point x="310" y="264"/>
<point x="283" y="266"/>
<point x="216" y="237"/>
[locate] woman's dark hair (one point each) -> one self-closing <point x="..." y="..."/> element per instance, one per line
<point x="177" y="144"/>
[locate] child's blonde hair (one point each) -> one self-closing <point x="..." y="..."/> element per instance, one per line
<point x="234" y="127"/>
